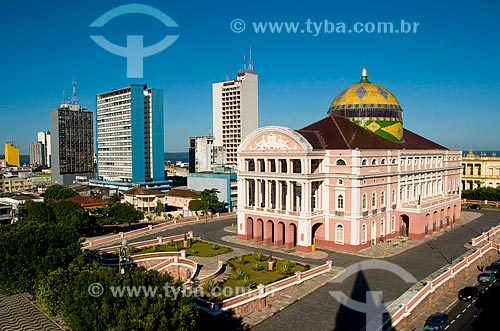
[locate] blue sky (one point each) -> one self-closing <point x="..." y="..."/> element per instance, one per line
<point x="446" y="75"/>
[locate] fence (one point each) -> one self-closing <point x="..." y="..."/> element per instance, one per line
<point x="442" y="283"/>
<point x="149" y="228"/>
<point x="248" y="302"/>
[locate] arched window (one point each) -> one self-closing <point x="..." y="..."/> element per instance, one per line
<point x="340" y="202"/>
<point x="364" y="201"/>
<point x="363" y="234"/>
<point x="382" y="228"/>
<point x="364" y="162"/>
<point x="374" y="162"/>
<point x="382" y="161"/>
<point x="340" y="182"/>
<point x="393" y="224"/>
<point x="341" y="162"/>
<point x="393" y="196"/>
<point x="374" y="200"/>
<point x="382" y="198"/>
<point x="394" y="161"/>
<point x="339" y="234"/>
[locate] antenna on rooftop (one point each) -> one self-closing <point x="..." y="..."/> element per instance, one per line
<point x="244" y="63"/>
<point x="250" y="63"/>
<point x="64" y="100"/>
<point x="74" y="98"/>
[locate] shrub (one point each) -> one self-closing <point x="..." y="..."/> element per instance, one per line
<point x="241" y="260"/>
<point x="239" y="274"/>
<point x="260" y="257"/>
<point x="285" y="267"/>
<point x="247" y="282"/>
<point x="209" y="285"/>
<point x="257" y="266"/>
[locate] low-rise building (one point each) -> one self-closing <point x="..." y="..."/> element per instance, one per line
<point x="16" y="184"/>
<point x="180" y="198"/>
<point x="6" y="214"/>
<point x="16" y="202"/>
<point x="144" y="199"/>
<point x="480" y="170"/>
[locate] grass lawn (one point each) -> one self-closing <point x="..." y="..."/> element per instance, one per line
<point x="195" y="248"/>
<point x="264" y="276"/>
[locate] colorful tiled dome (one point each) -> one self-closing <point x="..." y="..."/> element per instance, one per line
<point x="371" y="106"/>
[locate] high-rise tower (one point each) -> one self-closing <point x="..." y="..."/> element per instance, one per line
<point x="72" y="141"/>
<point x="130" y="143"/>
<point x="235" y="105"/>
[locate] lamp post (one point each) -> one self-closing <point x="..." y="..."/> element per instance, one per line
<point x="122" y="252"/>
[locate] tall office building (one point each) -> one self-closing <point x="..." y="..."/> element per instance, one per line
<point x="44" y="138"/>
<point x="235" y="111"/>
<point x="72" y="141"/>
<point x="37" y="153"/>
<point x="12" y="154"/>
<point x="130" y="145"/>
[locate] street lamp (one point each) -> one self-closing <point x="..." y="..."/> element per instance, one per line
<point x="122" y="252"/>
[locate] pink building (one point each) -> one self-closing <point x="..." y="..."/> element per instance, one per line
<point x="348" y="180"/>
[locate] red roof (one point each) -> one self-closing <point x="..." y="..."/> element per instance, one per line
<point x="87" y="202"/>
<point x="336" y="132"/>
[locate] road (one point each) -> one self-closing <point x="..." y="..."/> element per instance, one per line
<point x="478" y="314"/>
<point x="319" y="310"/>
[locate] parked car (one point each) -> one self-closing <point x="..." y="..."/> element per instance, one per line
<point x="495" y="267"/>
<point x="436" y="322"/>
<point x="468" y="293"/>
<point x="486" y="277"/>
<point x="474" y="206"/>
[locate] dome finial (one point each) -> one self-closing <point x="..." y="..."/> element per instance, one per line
<point x="364" y="74"/>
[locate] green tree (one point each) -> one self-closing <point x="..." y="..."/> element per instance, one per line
<point x="197" y="205"/>
<point x="210" y="197"/>
<point x="57" y="192"/>
<point x="81" y="311"/>
<point x="159" y="207"/>
<point x="36" y="212"/>
<point x="70" y="213"/>
<point x="124" y="213"/>
<point x="30" y="250"/>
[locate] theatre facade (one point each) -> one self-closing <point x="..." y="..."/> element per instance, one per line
<point x="347" y="181"/>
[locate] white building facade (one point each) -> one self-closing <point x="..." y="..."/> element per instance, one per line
<point x="235" y="112"/>
<point x="130" y="137"/>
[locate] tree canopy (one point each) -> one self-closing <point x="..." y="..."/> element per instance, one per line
<point x="124" y="213"/>
<point x="482" y="193"/>
<point x="30" y="249"/>
<point x="66" y="293"/>
<point x="197" y="205"/>
<point x="57" y="192"/>
<point x="210" y="197"/>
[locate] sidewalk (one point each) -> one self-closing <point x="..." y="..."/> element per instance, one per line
<point x="398" y="245"/>
<point x="280" y="304"/>
<point x="318" y="255"/>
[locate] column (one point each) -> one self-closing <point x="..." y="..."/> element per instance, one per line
<point x="306" y="198"/>
<point x="268" y="194"/>
<point x="289" y="195"/>
<point x="257" y="192"/>
<point x="278" y="195"/>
